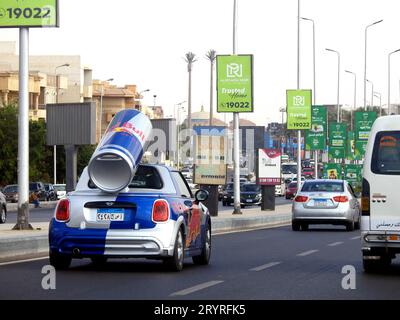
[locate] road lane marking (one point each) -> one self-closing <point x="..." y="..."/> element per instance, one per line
<point x="22" y="261"/>
<point x="335" y="244"/>
<point x="199" y="287"/>
<point x="265" y="266"/>
<point x="307" y="253"/>
<point x="355" y="238"/>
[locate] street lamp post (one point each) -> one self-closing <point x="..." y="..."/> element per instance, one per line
<point x="101" y="104"/>
<point x="365" y="62"/>
<point x="355" y="98"/>
<point x="378" y="95"/>
<point x="338" y="85"/>
<point x="55" y="147"/>
<point x="372" y="93"/>
<point x="178" y="130"/>
<point x="389" y="55"/>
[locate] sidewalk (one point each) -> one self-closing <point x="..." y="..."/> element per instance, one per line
<point x="20" y="244"/>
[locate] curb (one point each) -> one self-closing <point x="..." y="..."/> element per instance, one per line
<point x="15" y="248"/>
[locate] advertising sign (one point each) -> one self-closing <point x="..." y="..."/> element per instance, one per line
<point x="351" y="146"/>
<point x="298" y="109"/>
<point x="332" y="171"/>
<point x="28" y="13"/>
<point x="363" y="124"/>
<point x="269" y="167"/>
<point x="235" y="83"/>
<point x="337" y="140"/>
<point x="353" y="173"/>
<point x="361" y="147"/>
<point x="210" y="166"/>
<point x="316" y="136"/>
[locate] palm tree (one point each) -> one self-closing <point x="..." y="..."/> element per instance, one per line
<point x="211" y="55"/>
<point x="190" y="58"/>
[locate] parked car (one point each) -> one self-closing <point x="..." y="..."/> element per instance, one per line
<point x="250" y="194"/>
<point x="326" y="202"/>
<point x="280" y="190"/>
<point x="291" y="190"/>
<point x="11" y="192"/>
<point x="157" y="218"/>
<point x="60" y="190"/>
<point x="3" y="208"/>
<point x="51" y="193"/>
<point x="380" y="221"/>
<point x="39" y="189"/>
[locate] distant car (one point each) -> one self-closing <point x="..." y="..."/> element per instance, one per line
<point x="280" y="190"/>
<point x="326" y="202"/>
<point x="11" y="193"/>
<point x="60" y="190"/>
<point x="250" y="194"/>
<point x="39" y="189"/>
<point x="220" y="193"/>
<point x="291" y="190"/>
<point x="308" y="172"/>
<point x="187" y="173"/>
<point x="51" y="193"/>
<point x="227" y="195"/>
<point x="3" y="208"/>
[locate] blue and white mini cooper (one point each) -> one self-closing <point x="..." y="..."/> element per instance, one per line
<point x="155" y="217"/>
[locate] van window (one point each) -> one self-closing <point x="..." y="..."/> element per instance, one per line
<point x="386" y="154"/>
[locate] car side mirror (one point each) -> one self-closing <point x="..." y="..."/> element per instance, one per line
<point x="201" y="195"/>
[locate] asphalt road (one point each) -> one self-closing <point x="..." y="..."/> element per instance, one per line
<point x="264" y="264"/>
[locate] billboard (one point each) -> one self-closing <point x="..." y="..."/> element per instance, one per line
<point x="269" y="167"/>
<point x="363" y="124"/>
<point x="298" y="109"/>
<point x="235" y="83"/>
<point x="316" y="136"/>
<point x="332" y="171"/>
<point x="337" y="140"/>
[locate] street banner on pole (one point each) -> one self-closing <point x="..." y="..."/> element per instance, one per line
<point x="332" y="171"/>
<point x="360" y="149"/>
<point x="235" y="83"/>
<point x="351" y="146"/>
<point x="298" y="109"/>
<point x="353" y="174"/>
<point x="269" y="167"/>
<point x="316" y="136"/>
<point x="337" y="140"/>
<point x="29" y="13"/>
<point x="363" y="124"/>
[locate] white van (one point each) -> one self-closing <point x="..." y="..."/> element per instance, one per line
<point x="380" y="223"/>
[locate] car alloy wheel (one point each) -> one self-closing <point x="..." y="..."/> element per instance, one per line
<point x="3" y="216"/>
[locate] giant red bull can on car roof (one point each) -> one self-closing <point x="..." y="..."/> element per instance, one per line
<point x="119" y="152"/>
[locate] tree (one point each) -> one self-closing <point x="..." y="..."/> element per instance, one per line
<point x="211" y="56"/>
<point x="8" y="144"/>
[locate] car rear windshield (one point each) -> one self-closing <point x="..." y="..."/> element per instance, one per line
<point x="292" y="185"/>
<point x="316" y="186"/>
<point x="11" y="189"/>
<point x="59" y="188"/>
<point x="386" y="154"/>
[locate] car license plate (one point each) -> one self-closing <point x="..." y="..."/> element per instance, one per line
<point x="320" y="203"/>
<point x="110" y="215"/>
<point x="249" y="201"/>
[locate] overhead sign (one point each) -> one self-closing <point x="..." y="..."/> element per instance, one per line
<point x="332" y="171"/>
<point x="337" y="140"/>
<point x="298" y="109"/>
<point x="210" y="165"/>
<point x="269" y="167"/>
<point x="235" y="83"/>
<point x="363" y="124"/>
<point x="316" y="136"/>
<point x="28" y="13"/>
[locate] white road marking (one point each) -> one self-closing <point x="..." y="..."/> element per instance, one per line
<point x="355" y="238"/>
<point x="335" y="244"/>
<point x="265" y="266"/>
<point x="307" y="253"/>
<point x="199" y="287"/>
<point x="22" y="261"/>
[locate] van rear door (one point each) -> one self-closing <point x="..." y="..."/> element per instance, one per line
<point x="385" y="182"/>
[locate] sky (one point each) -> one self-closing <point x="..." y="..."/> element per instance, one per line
<point x="144" y="42"/>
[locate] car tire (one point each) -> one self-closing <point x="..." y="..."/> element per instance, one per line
<point x="295" y="226"/>
<point x="224" y="203"/>
<point x="357" y="225"/>
<point x="175" y="263"/>
<point x="350" y="226"/>
<point x="99" y="260"/>
<point x="204" y="257"/>
<point x="3" y="215"/>
<point x="304" y="226"/>
<point x="60" y="261"/>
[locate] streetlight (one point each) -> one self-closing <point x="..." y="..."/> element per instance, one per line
<point x="101" y="104"/>
<point x="55" y="147"/>
<point x="365" y="62"/>
<point x="338" y="86"/>
<point x="389" y="78"/>
<point x="378" y="95"/>
<point x="178" y="129"/>
<point x="372" y="92"/>
<point x="355" y="97"/>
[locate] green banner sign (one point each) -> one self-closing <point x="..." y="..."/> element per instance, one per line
<point x="351" y="146"/>
<point x="361" y="146"/>
<point x="363" y="124"/>
<point x="353" y="173"/>
<point x="28" y="13"/>
<point x="316" y="136"/>
<point x="332" y="171"/>
<point x="235" y="83"/>
<point x="298" y="109"/>
<point x="337" y="140"/>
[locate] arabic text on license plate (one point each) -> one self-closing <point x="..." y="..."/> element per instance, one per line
<point x="110" y="215"/>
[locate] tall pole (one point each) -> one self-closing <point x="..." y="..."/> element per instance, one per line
<point x="365" y="63"/>
<point x="372" y="93"/>
<point x="338" y="84"/>
<point x="298" y="88"/>
<point x="23" y="133"/>
<point x="378" y="95"/>
<point x="236" y="146"/>
<point x="355" y="99"/>
<point x="389" y="55"/>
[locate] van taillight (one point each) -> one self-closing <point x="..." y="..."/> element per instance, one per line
<point x="160" y="211"/>
<point x="62" y="211"/>
<point x="365" y="198"/>
<point x="301" y="199"/>
<point x="341" y="199"/>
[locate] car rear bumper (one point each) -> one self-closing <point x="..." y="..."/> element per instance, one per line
<point x="379" y="243"/>
<point x="322" y="220"/>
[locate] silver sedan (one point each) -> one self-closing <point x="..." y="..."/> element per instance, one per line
<point x="326" y="202"/>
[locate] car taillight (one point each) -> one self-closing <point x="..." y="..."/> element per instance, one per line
<point x="62" y="211"/>
<point x="341" y="199"/>
<point x="301" y="199"/>
<point x="160" y="211"/>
